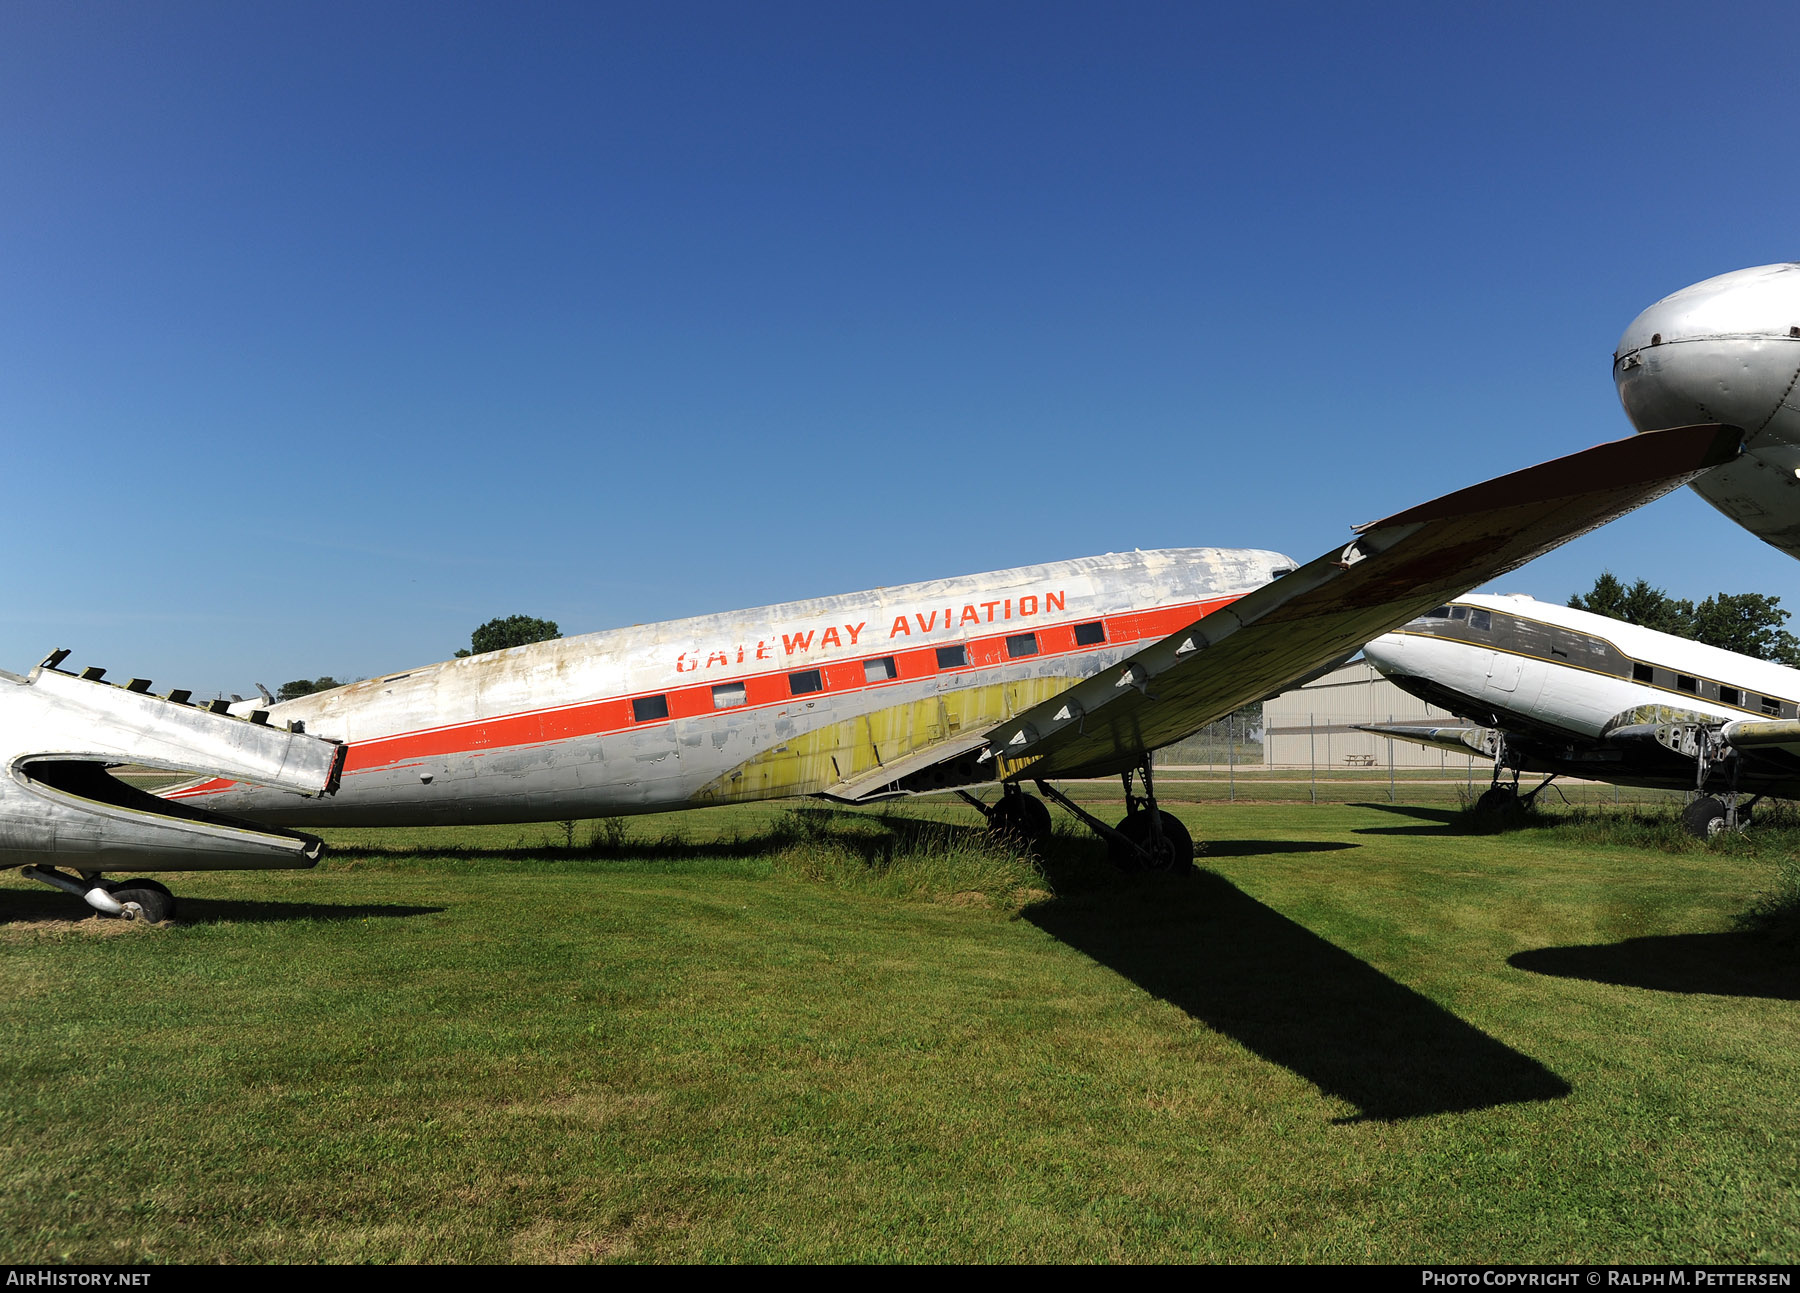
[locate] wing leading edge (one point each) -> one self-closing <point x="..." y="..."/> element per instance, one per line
<point x="1393" y="571"/>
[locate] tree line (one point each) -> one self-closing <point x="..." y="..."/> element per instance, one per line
<point x="1747" y="623"/>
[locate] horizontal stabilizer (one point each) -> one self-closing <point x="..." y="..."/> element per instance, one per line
<point x="61" y="733"/>
<point x="1461" y="737"/>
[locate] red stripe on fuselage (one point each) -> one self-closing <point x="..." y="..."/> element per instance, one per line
<point x="762" y="691"/>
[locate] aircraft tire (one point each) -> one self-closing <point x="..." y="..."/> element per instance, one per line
<point x="1499" y="799"/>
<point x="1705" y="817"/>
<point x="154" y="904"/>
<point x="1175" y="857"/>
<point x="1022" y="816"/>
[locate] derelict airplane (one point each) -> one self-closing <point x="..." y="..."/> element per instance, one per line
<point x="1069" y="669"/>
<point x="1565" y="692"/>
<point x="61" y="731"/>
<point x="1727" y="350"/>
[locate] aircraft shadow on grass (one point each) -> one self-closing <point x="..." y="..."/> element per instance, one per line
<point x="18" y="906"/>
<point x="1430" y="821"/>
<point x="1736" y="964"/>
<point x="1286" y="994"/>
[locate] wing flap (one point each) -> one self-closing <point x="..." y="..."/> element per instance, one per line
<point x="912" y="774"/>
<point x="1393" y="571"/>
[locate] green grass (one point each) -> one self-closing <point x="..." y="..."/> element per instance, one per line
<point x="1360" y="1034"/>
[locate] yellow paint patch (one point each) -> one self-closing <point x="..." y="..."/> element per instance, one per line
<point x="840" y="752"/>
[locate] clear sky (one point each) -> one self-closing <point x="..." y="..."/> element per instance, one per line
<point x="329" y="331"/>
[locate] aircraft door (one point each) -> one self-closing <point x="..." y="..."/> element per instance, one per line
<point x="1503" y="672"/>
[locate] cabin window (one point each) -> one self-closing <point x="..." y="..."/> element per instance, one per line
<point x="805" y="682"/>
<point x="1684" y="683"/>
<point x="879" y="669"/>
<point x="647" y="709"/>
<point x="1730" y="696"/>
<point x="1090" y="634"/>
<point x="1482" y="620"/>
<point x="1641" y="672"/>
<point x="1770" y="705"/>
<point x="1021" y="644"/>
<point x="952" y="657"/>
<point x="729" y="695"/>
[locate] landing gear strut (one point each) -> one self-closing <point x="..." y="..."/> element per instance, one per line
<point x="144" y="900"/>
<point x="1499" y="799"/>
<point x="1711" y="815"/>
<point x="1148" y="837"/>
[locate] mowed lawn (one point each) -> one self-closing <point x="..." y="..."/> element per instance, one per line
<point x="1356" y="1035"/>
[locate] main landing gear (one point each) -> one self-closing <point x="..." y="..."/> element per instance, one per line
<point x="1711" y="815"/>
<point x="140" y="899"/>
<point x="1015" y="814"/>
<point x="1147" y="838"/>
<point x="1500" y="799"/>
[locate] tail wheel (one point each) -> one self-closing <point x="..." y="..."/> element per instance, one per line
<point x="1704" y="817"/>
<point x="144" y="900"/>
<point x="1172" y="853"/>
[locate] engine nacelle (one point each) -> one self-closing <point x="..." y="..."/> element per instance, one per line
<point x="1727" y="350"/>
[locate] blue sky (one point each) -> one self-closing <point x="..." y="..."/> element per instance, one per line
<point x="328" y="332"/>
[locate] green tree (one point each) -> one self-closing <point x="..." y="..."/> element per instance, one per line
<point x="514" y="630"/>
<point x="1638" y="604"/>
<point x="306" y="687"/>
<point x="1747" y="623"/>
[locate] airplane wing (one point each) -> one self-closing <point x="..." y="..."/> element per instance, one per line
<point x="1763" y="737"/>
<point x="1393" y="571"/>
<point x="1460" y="737"/>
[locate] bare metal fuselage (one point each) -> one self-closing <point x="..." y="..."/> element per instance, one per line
<point x="851" y="696"/>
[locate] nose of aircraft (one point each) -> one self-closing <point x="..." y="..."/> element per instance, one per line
<point x="1385" y="652"/>
<point x="1727" y="350"/>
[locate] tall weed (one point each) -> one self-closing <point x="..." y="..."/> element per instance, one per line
<point x="902" y="857"/>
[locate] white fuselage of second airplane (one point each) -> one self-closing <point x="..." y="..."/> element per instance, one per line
<point x="837" y="695"/>
<point x="1524" y="665"/>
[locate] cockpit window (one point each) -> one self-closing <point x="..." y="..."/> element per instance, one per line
<point x="1437" y="613"/>
<point x="1481" y="620"/>
<point x="1459" y="612"/>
